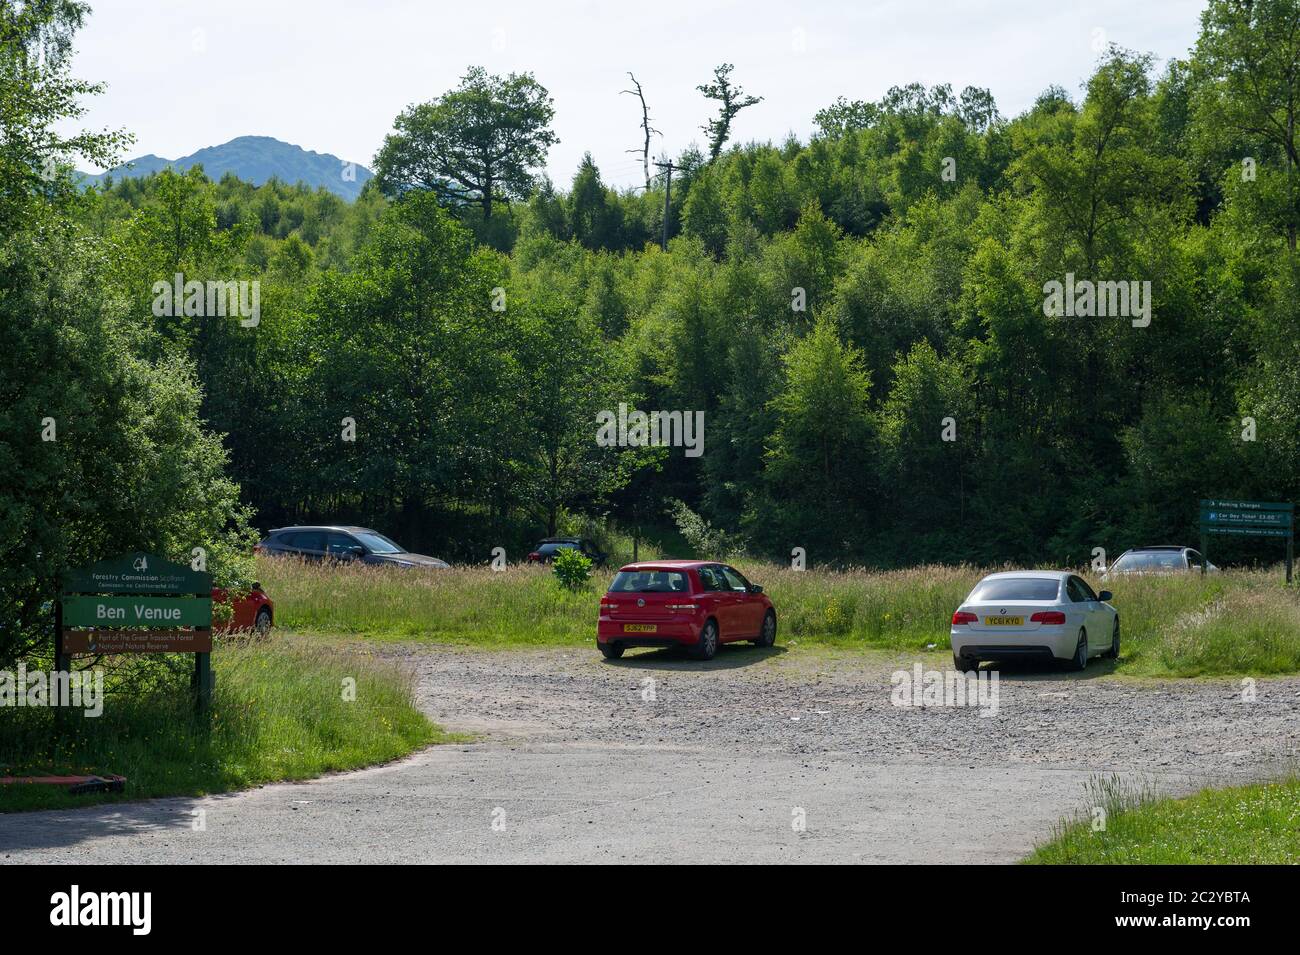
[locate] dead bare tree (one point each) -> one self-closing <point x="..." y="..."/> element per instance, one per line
<point x="645" y="126"/>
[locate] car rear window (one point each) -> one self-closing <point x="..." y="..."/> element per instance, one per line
<point x="1016" y="588"/>
<point x="554" y="546"/>
<point x="649" y="582"/>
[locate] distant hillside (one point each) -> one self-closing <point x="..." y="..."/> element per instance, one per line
<point x="256" y="159"/>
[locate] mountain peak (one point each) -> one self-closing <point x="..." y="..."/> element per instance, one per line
<point x="256" y="159"/>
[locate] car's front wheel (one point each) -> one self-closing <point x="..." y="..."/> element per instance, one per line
<point x="707" y="645"/>
<point x="262" y="625"/>
<point x="611" y="650"/>
<point x="767" y="636"/>
<point x="1080" y="659"/>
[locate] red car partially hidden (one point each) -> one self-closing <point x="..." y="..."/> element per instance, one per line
<point x="253" y="611"/>
<point x="696" y="604"/>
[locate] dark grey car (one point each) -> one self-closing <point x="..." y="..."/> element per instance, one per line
<point x="344" y="543"/>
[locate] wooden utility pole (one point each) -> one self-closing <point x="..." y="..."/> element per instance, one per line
<point x="668" y="168"/>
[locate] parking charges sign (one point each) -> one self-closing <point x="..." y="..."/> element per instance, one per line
<point x="1247" y="518"/>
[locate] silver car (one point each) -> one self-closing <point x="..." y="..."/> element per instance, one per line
<point x="1045" y="614"/>
<point x="343" y="543"/>
<point x="1164" y="559"/>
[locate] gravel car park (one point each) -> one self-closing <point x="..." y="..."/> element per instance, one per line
<point x="582" y="764"/>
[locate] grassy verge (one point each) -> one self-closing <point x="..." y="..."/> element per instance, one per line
<point x="278" y="713"/>
<point x="1240" y="622"/>
<point x="1258" y="824"/>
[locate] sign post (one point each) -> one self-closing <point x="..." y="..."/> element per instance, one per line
<point x="1249" y="519"/>
<point x="137" y="603"/>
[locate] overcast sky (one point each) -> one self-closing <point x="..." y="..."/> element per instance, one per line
<point x="330" y="75"/>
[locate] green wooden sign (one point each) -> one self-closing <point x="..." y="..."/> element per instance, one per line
<point x="1247" y="518"/>
<point x="85" y="611"/>
<point x="137" y="603"/>
<point x="137" y="573"/>
<point x="1247" y="505"/>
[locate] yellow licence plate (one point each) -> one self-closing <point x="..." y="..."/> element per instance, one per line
<point x="1004" y="621"/>
<point x="639" y="628"/>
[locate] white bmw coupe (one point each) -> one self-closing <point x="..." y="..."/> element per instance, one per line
<point x="1049" y="614"/>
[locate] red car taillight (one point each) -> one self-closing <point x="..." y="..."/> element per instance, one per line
<point x="259" y="549"/>
<point x="962" y="617"/>
<point x="1050" y="617"/>
<point x="534" y="556"/>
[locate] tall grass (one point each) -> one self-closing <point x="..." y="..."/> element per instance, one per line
<point x="522" y="604"/>
<point x="278" y="712"/>
<point x="1258" y="824"/>
<point x="1235" y="622"/>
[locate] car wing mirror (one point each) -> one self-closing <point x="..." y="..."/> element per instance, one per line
<point x="1105" y="595"/>
<point x="755" y="589"/>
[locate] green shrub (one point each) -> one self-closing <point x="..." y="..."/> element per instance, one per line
<point x="572" y="569"/>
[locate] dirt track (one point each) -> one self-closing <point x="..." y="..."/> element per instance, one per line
<point x="583" y="760"/>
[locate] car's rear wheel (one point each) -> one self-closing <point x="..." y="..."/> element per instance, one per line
<point x="964" y="664"/>
<point x="707" y="645"/>
<point x="767" y="636"/>
<point x="611" y="650"/>
<point x="1080" y="659"/>
<point x="1113" y="652"/>
<point x="262" y="623"/>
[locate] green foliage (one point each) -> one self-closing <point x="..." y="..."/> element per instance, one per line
<point x="821" y="449"/>
<point x="731" y="100"/>
<point x="1246" y="97"/>
<point x="477" y="143"/>
<point x="39" y="101"/>
<point x="826" y="305"/>
<point x="705" y="541"/>
<point x="571" y="568"/>
<point x="101" y="436"/>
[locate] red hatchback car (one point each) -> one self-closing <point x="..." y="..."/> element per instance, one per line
<point x="253" y="611"/>
<point x="696" y="604"/>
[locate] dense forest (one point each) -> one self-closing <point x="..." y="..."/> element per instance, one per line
<point x="862" y="318"/>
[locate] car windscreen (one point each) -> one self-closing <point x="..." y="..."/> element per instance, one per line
<point x="554" y="546"/>
<point x="1015" y="588"/>
<point x="378" y="543"/>
<point x="649" y="582"/>
<point x="1150" y="560"/>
